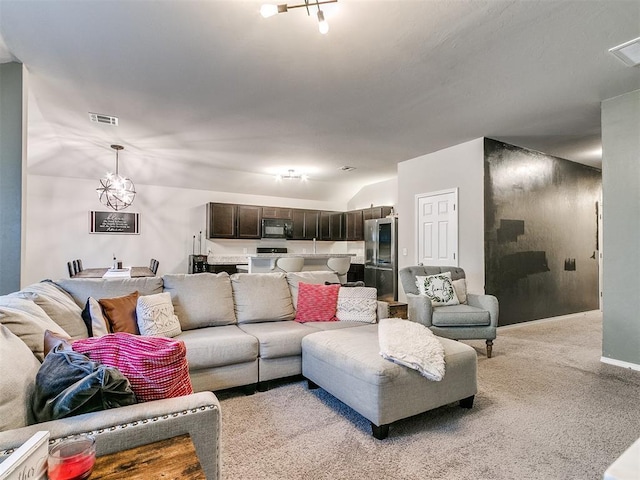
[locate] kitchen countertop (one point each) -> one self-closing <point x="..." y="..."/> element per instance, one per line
<point x="243" y="259"/>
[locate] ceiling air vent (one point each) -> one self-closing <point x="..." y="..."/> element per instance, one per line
<point x="347" y="168"/>
<point x="100" y="118"/>
<point x="628" y="52"/>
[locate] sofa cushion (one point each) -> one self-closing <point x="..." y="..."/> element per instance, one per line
<point x="438" y="288"/>
<point x="357" y="304"/>
<point x="28" y="322"/>
<point x="317" y="303"/>
<point x="261" y="297"/>
<point x="334" y="325"/>
<point x="459" y="316"/>
<point x="218" y="347"/>
<point x="313" y="276"/>
<point x="155" y="316"/>
<point x="69" y="384"/>
<point x="278" y="339"/>
<point x="120" y="313"/>
<point x="156" y="367"/>
<point x="58" y="305"/>
<point x="93" y="317"/>
<point x="82" y="288"/>
<point x="201" y="300"/>
<point x="18" y="369"/>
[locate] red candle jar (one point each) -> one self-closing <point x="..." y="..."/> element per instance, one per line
<point x="72" y="458"/>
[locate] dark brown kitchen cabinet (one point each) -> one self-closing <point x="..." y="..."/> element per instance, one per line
<point x="222" y="220"/>
<point x="277" y="212"/>
<point x="249" y="221"/>
<point x="375" y="212"/>
<point x="311" y="224"/>
<point x="355" y="273"/>
<point x="305" y="224"/>
<point x="324" y="225"/>
<point x="354" y="225"/>
<point x="336" y="227"/>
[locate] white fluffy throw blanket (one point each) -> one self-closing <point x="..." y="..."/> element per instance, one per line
<point x="413" y="345"/>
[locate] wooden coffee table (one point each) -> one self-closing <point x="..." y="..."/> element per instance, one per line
<point x="174" y="458"/>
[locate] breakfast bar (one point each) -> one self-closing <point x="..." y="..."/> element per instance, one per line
<point x="267" y="262"/>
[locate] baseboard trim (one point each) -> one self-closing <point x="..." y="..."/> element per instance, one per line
<point x="620" y="363"/>
<point x="549" y="319"/>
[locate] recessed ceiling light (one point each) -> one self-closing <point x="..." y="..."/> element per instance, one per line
<point x="346" y="168"/>
<point x="106" y="119"/>
<point x="628" y="52"/>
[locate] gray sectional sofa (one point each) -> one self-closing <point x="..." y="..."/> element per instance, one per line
<point x="238" y="331"/>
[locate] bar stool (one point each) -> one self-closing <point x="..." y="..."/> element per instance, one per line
<point x="290" y="264"/>
<point x="340" y="265"/>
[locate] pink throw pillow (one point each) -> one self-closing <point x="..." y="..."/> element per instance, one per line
<point x="317" y="303"/>
<point x="156" y="367"/>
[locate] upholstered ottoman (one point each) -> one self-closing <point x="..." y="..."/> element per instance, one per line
<point x="347" y="364"/>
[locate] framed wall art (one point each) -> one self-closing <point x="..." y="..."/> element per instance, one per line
<point x="114" y="223"/>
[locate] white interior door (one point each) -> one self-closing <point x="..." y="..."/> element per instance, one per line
<point x="437" y="227"/>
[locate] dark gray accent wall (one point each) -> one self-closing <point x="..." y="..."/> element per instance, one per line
<point x="621" y="232"/>
<point x="10" y="175"/>
<point x="541" y="233"/>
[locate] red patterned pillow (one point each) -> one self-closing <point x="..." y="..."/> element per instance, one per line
<point x="317" y="303"/>
<point x="155" y="366"/>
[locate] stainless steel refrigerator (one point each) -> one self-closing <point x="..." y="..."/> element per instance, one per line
<point x="381" y="257"/>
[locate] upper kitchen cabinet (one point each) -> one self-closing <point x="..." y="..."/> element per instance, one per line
<point x="222" y="220"/>
<point x="277" y="212"/>
<point x="336" y="226"/>
<point x="249" y="221"/>
<point x="305" y="224"/>
<point x="228" y="220"/>
<point x="375" y="212"/>
<point x="354" y="225"/>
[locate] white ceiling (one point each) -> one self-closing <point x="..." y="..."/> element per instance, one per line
<point x="212" y="96"/>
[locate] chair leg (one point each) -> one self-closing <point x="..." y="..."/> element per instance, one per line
<point x="489" y="348"/>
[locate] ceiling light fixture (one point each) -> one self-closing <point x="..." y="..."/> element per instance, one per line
<point x="292" y="175"/>
<point x="269" y="10"/>
<point x="116" y="191"/>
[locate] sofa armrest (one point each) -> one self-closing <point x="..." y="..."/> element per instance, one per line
<point x="485" y="302"/>
<point x="127" y="427"/>
<point x="419" y="309"/>
<point x="383" y="310"/>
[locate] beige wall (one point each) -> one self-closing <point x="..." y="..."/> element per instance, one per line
<point x="57" y="227"/>
<point x="462" y="167"/>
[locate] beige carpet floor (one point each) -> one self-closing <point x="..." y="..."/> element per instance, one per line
<point x="547" y="408"/>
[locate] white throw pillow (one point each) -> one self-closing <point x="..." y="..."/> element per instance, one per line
<point x="156" y="317"/>
<point x="460" y="286"/>
<point x="438" y="288"/>
<point x="357" y="304"/>
<point x="413" y="345"/>
<point x="18" y="370"/>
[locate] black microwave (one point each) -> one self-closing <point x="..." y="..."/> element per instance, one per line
<point x="277" y="228"/>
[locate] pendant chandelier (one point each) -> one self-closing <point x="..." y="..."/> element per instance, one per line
<point x="115" y="191"/>
<point x="268" y="10"/>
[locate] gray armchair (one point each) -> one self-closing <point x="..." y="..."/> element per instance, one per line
<point x="477" y="319"/>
